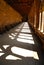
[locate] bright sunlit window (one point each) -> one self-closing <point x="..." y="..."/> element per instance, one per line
<point x="39" y="22"/>
<point x="42" y="29"/>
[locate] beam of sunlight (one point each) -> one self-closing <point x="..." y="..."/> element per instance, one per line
<point x="24" y="52"/>
<point x="10" y="36"/>
<point x="1" y="54"/>
<point x="5" y="46"/>
<point x="25" y="41"/>
<point x="11" y="57"/>
<point x="0" y="49"/>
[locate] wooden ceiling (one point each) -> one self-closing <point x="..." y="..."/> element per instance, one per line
<point x="22" y="6"/>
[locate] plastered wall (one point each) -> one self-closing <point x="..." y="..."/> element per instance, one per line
<point x="8" y="15"/>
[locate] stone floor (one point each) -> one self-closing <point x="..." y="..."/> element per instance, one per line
<point x="20" y="46"/>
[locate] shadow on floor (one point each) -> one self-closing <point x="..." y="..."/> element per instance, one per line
<point x="20" y="46"/>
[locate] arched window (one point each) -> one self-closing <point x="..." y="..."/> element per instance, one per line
<point x="42" y="27"/>
<point x="41" y="18"/>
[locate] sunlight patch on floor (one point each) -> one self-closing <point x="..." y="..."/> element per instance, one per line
<point x="25" y="27"/>
<point x="26" y="31"/>
<point x="5" y="46"/>
<point x="11" y="57"/>
<point x="11" y="37"/>
<point x="24" y="52"/>
<point x="25" y="41"/>
<point x="26" y="37"/>
<point x="24" y="34"/>
<point x="13" y="34"/>
<point x="17" y="30"/>
<point x="0" y="49"/>
<point x="1" y="54"/>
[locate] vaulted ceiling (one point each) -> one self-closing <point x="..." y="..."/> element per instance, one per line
<point x="22" y="6"/>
